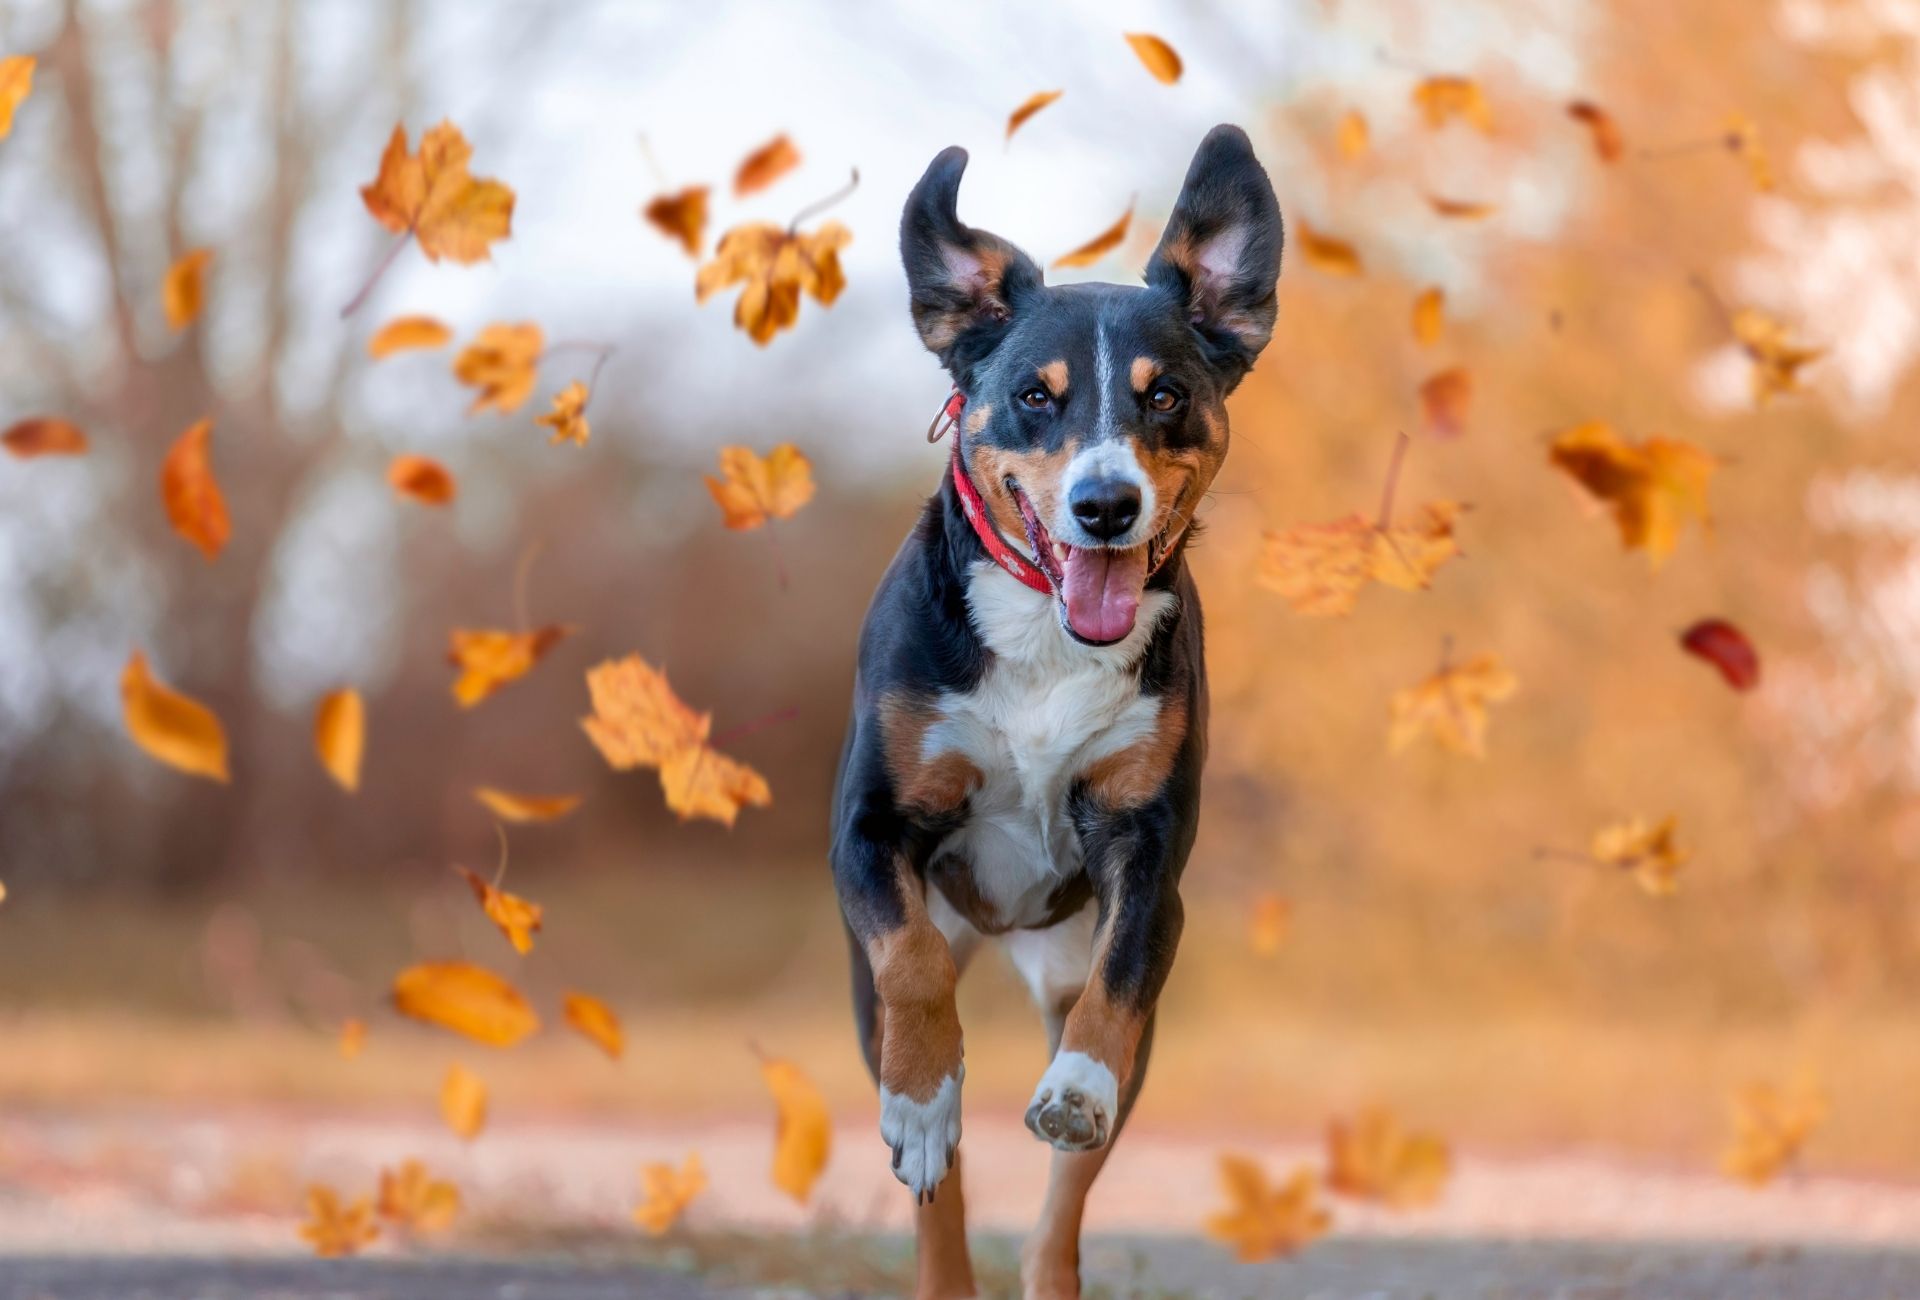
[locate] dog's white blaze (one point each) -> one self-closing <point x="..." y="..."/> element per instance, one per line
<point x="1104" y="426"/>
<point x="923" y="1132"/>
<point x="1116" y="458"/>
<point x="1082" y="1074"/>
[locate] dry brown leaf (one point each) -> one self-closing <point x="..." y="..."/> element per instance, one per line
<point x="1429" y="316"/>
<point x="503" y="363"/>
<point x="468" y="999"/>
<point x="490" y="659"/>
<point x="433" y="197"/>
<point x="775" y="265"/>
<point x="753" y="490"/>
<point x="1374" y="1158"/>
<point x="1652" y="487"/>
<point x="681" y="217"/>
<point x="639" y="722"/>
<point x="416" y="1202"/>
<point x="568" y="418"/>
<point x="665" y="1193"/>
<point x="335" y="1230"/>
<point x="195" y="506"/>
<point x="340" y="736"/>
<point x="407" y="334"/>
<point x="1771" y="1126"/>
<point x="44" y="435"/>
<point x="180" y="732"/>
<point x="1261" y="1220"/>
<point x="1451" y="706"/>
<point x="765" y="165"/>
<point x="16" y="83"/>
<point x="1444" y="400"/>
<point x="517" y="918"/>
<point x="1033" y="104"/>
<point x="1100" y="245"/>
<point x="1324" y="253"/>
<point x="1646" y="849"/>
<point x="803" y="1128"/>
<point x="1156" y="56"/>
<point x="1442" y="99"/>
<point x="1460" y="209"/>
<point x="1320" y="569"/>
<point x="183" y="292"/>
<point x="527" y="807"/>
<point x="595" y="1020"/>
<point x="1607" y="141"/>
<point x="463" y="1101"/>
<point x="1776" y="361"/>
<point x="422" y="478"/>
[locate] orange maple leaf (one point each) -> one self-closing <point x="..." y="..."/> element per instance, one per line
<point x="1607" y="141"/>
<point x="1100" y="245"/>
<point x="527" y="807"/>
<point x="1325" y="253"/>
<point x="752" y="490"/>
<point x="44" y="436"/>
<point x="765" y="165"/>
<point x="183" y="292"/>
<point x="568" y="418"/>
<point x="16" y="83"/>
<point x="503" y="363"/>
<point x="334" y="1229"/>
<point x="1028" y="107"/>
<point x="1651" y="487"/>
<point x="422" y="478"/>
<point x="340" y="736"/>
<point x="666" y="1193"/>
<point x="432" y="197"/>
<point x="489" y="659"/>
<point x="1647" y="849"/>
<point x="681" y="216"/>
<point x="468" y="999"/>
<point x="1451" y="706"/>
<point x="195" y="506"/>
<point x="1771" y="1125"/>
<point x="1442" y="99"/>
<point x="1156" y="56"/>
<point x="407" y="333"/>
<point x="180" y="732"/>
<point x="1262" y="1220"/>
<point x="1374" y="1158"/>
<point x="776" y="265"/>
<point x="414" y="1201"/>
<point x="638" y="721"/>
<point x="463" y="1102"/>
<point x="803" y="1128"/>
<point x="517" y="918"/>
<point x="595" y="1021"/>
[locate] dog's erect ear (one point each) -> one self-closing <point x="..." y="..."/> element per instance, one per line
<point x="965" y="284"/>
<point x="1220" y="254"/>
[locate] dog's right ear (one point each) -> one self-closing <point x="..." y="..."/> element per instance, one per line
<point x="965" y="284"/>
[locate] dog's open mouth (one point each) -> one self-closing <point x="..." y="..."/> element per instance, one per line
<point x="1098" y="588"/>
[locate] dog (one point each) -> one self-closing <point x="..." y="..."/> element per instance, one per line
<point x="1028" y="726"/>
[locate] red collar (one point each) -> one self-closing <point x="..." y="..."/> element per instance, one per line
<point x="998" y="550"/>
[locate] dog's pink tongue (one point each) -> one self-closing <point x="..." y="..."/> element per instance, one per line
<point x="1103" y="591"/>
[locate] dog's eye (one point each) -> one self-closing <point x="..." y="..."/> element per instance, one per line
<point x="1164" y="397"/>
<point x="1036" y="399"/>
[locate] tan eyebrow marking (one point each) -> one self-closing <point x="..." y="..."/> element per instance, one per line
<point x="1054" y="376"/>
<point x="1145" y="371"/>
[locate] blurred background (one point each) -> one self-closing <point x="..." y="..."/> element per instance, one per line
<point x="166" y="939"/>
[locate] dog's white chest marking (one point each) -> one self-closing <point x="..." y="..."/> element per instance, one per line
<point x="1046" y="708"/>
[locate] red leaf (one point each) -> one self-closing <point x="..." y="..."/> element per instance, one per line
<point x="1726" y="647"/>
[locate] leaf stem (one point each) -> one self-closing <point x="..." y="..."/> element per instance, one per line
<point x="1393" y="479"/>
<point x="500" y="872"/>
<point x="653" y="163"/>
<point x="816" y="208"/>
<point x="353" y="305"/>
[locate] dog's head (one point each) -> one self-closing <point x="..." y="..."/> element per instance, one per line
<point x="1095" y="414"/>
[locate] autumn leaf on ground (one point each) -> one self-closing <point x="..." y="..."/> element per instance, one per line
<point x="1442" y="99"/>
<point x="489" y="659"/>
<point x="594" y="1020"/>
<point x="1607" y="141"/>
<point x="1033" y="104"/>
<point x="1353" y="137"/>
<point x="16" y="83"/>
<point x="1268" y="924"/>
<point x="468" y="999"/>
<point x="503" y="363"/>
<point x="1646" y="849"/>
<point x="195" y="506"/>
<point x="776" y="265"/>
<point x="681" y="216"/>
<point x="1451" y="706"/>
<point x="527" y="807"/>
<point x="1652" y="488"/>
<point x="353" y="1037"/>
<point x="1429" y="316"/>
<point x="1373" y="1158"/>
<point x="422" y="478"/>
<point x="665" y="1193"/>
<point x="517" y="918"/>
<point x="1726" y="647"/>
<point x="183" y="292"/>
<point x="1742" y="140"/>
<point x="1776" y="362"/>
<point x="803" y="1128"/>
<point x="1324" y="253"/>
<point x="764" y="166"/>
<point x="414" y="1201"/>
<point x="433" y="198"/>
<point x="1156" y="56"/>
<point x="1460" y="209"/>
<point x="44" y="436"/>
<point x="1444" y="401"/>
<point x="334" y="1230"/>
<point x="180" y="732"/>
<point x="1100" y="245"/>
<point x="340" y="736"/>
<point x="752" y="490"/>
<point x="568" y="418"/>
<point x="1771" y="1126"/>
<point x="638" y="721"/>
<point x="407" y="334"/>
<point x="1262" y="1220"/>
<point x="463" y="1101"/>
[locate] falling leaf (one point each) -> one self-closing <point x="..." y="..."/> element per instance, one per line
<point x="1353" y="136"/>
<point x="1268" y="923"/>
<point x="764" y="166"/>
<point x="803" y="1128"/>
<point x="1429" y="316"/>
<point x="334" y="1230"/>
<point x="639" y="722"/>
<point x="776" y="266"/>
<point x="517" y="918"/>
<point x="1726" y="647"/>
<point x="465" y="998"/>
<point x="1605" y="131"/>
<point x="1652" y="488"/>
<point x="1460" y="209"/>
<point x="422" y="478"/>
<point x="1771" y="1125"/>
<point x="1645" y="849"/>
<point x="463" y="1102"/>
<point x="44" y="436"/>
<point x="752" y="490"/>
<point x="1156" y="55"/>
<point x="595" y="1020"/>
<point x="180" y="732"/>
<point x="1262" y="1220"/>
<point x="1099" y="246"/>
<point x="681" y="216"/>
<point x="1325" y="253"/>
<point x="340" y="736"/>
<point x="431" y="196"/>
<point x="1776" y="362"/>
<point x="1374" y="1158"/>
<point x="490" y="659"/>
<point x="1742" y="139"/>
<point x="666" y="1193"/>
<point x="527" y="807"/>
<point x="1033" y="104"/>
<point x="1320" y="568"/>
<point x="183" y="291"/>
<point x="1451" y="706"/>
<point x="503" y="363"/>
<point x="195" y="507"/>
<point x="1444" y="399"/>
<point x="16" y="83"/>
<point x="1442" y="99"/>
<point x="353" y="1037"/>
<point x="414" y="1201"/>
<point x="408" y="334"/>
<point x="568" y="419"/>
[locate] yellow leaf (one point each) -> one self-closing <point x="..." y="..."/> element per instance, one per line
<point x="422" y="478"/>
<point x="1776" y="362"/>
<point x="183" y="291"/>
<point x="1607" y="141"/>
<point x="1261" y="1220"/>
<point x="1267" y="925"/>
<point x="1460" y="209"/>
<point x="503" y="363"/>
<point x="195" y="506"/>
<point x="517" y="918"/>
<point x="44" y="436"/>
<point x="1031" y="105"/>
<point x="340" y="736"/>
<point x="414" y="1201"/>
<point x="465" y="998"/>
<point x="803" y="1128"/>
<point x="1429" y="316"/>
<point x="431" y="195"/>
<point x="1156" y="56"/>
<point x="527" y="807"/>
<point x="1373" y="1158"/>
<point x="406" y="334"/>
<point x="764" y="166"/>
<point x="1354" y="137"/>
<point x="568" y="419"/>
<point x="1319" y="569"/>
<point x="1444" y="399"/>
<point x="1100" y="245"/>
<point x="681" y="216"/>
<point x="353" y="1037"/>
<point x="180" y="732"/>
<point x="1647" y="850"/>
<point x="775" y="266"/>
<point x="752" y="490"/>
<point x="639" y="722"/>
<point x="666" y="1193"/>
<point x="596" y="1021"/>
<point x="1771" y="1125"/>
<point x="1451" y="706"/>
<point x="1324" y="253"/>
<point x="1652" y="488"/>
<point x="1442" y="99"/>
<point x="334" y="1230"/>
<point x="463" y="1102"/>
<point x="16" y="83"/>
<point x="490" y="659"/>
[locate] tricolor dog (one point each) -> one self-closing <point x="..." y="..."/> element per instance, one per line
<point x="1030" y="707"/>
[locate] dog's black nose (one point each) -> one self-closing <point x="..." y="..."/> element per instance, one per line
<point x="1105" y="507"/>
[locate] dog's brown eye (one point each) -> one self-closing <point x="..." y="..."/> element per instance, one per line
<point x="1163" y="398"/>
<point x="1035" y="399"/>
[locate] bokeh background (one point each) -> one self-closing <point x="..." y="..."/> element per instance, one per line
<point x="170" y="940"/>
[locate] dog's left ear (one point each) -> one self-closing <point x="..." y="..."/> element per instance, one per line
<point x="966" y="284"/>
<point x="1220" y="254"/>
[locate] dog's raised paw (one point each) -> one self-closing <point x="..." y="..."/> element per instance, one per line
<point x="923" y="1135"/>
<point x="1076" y="1103"/>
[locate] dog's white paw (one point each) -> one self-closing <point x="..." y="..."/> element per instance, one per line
<point x="1076" y="1103"/>
<point x="923" y="1134"/>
